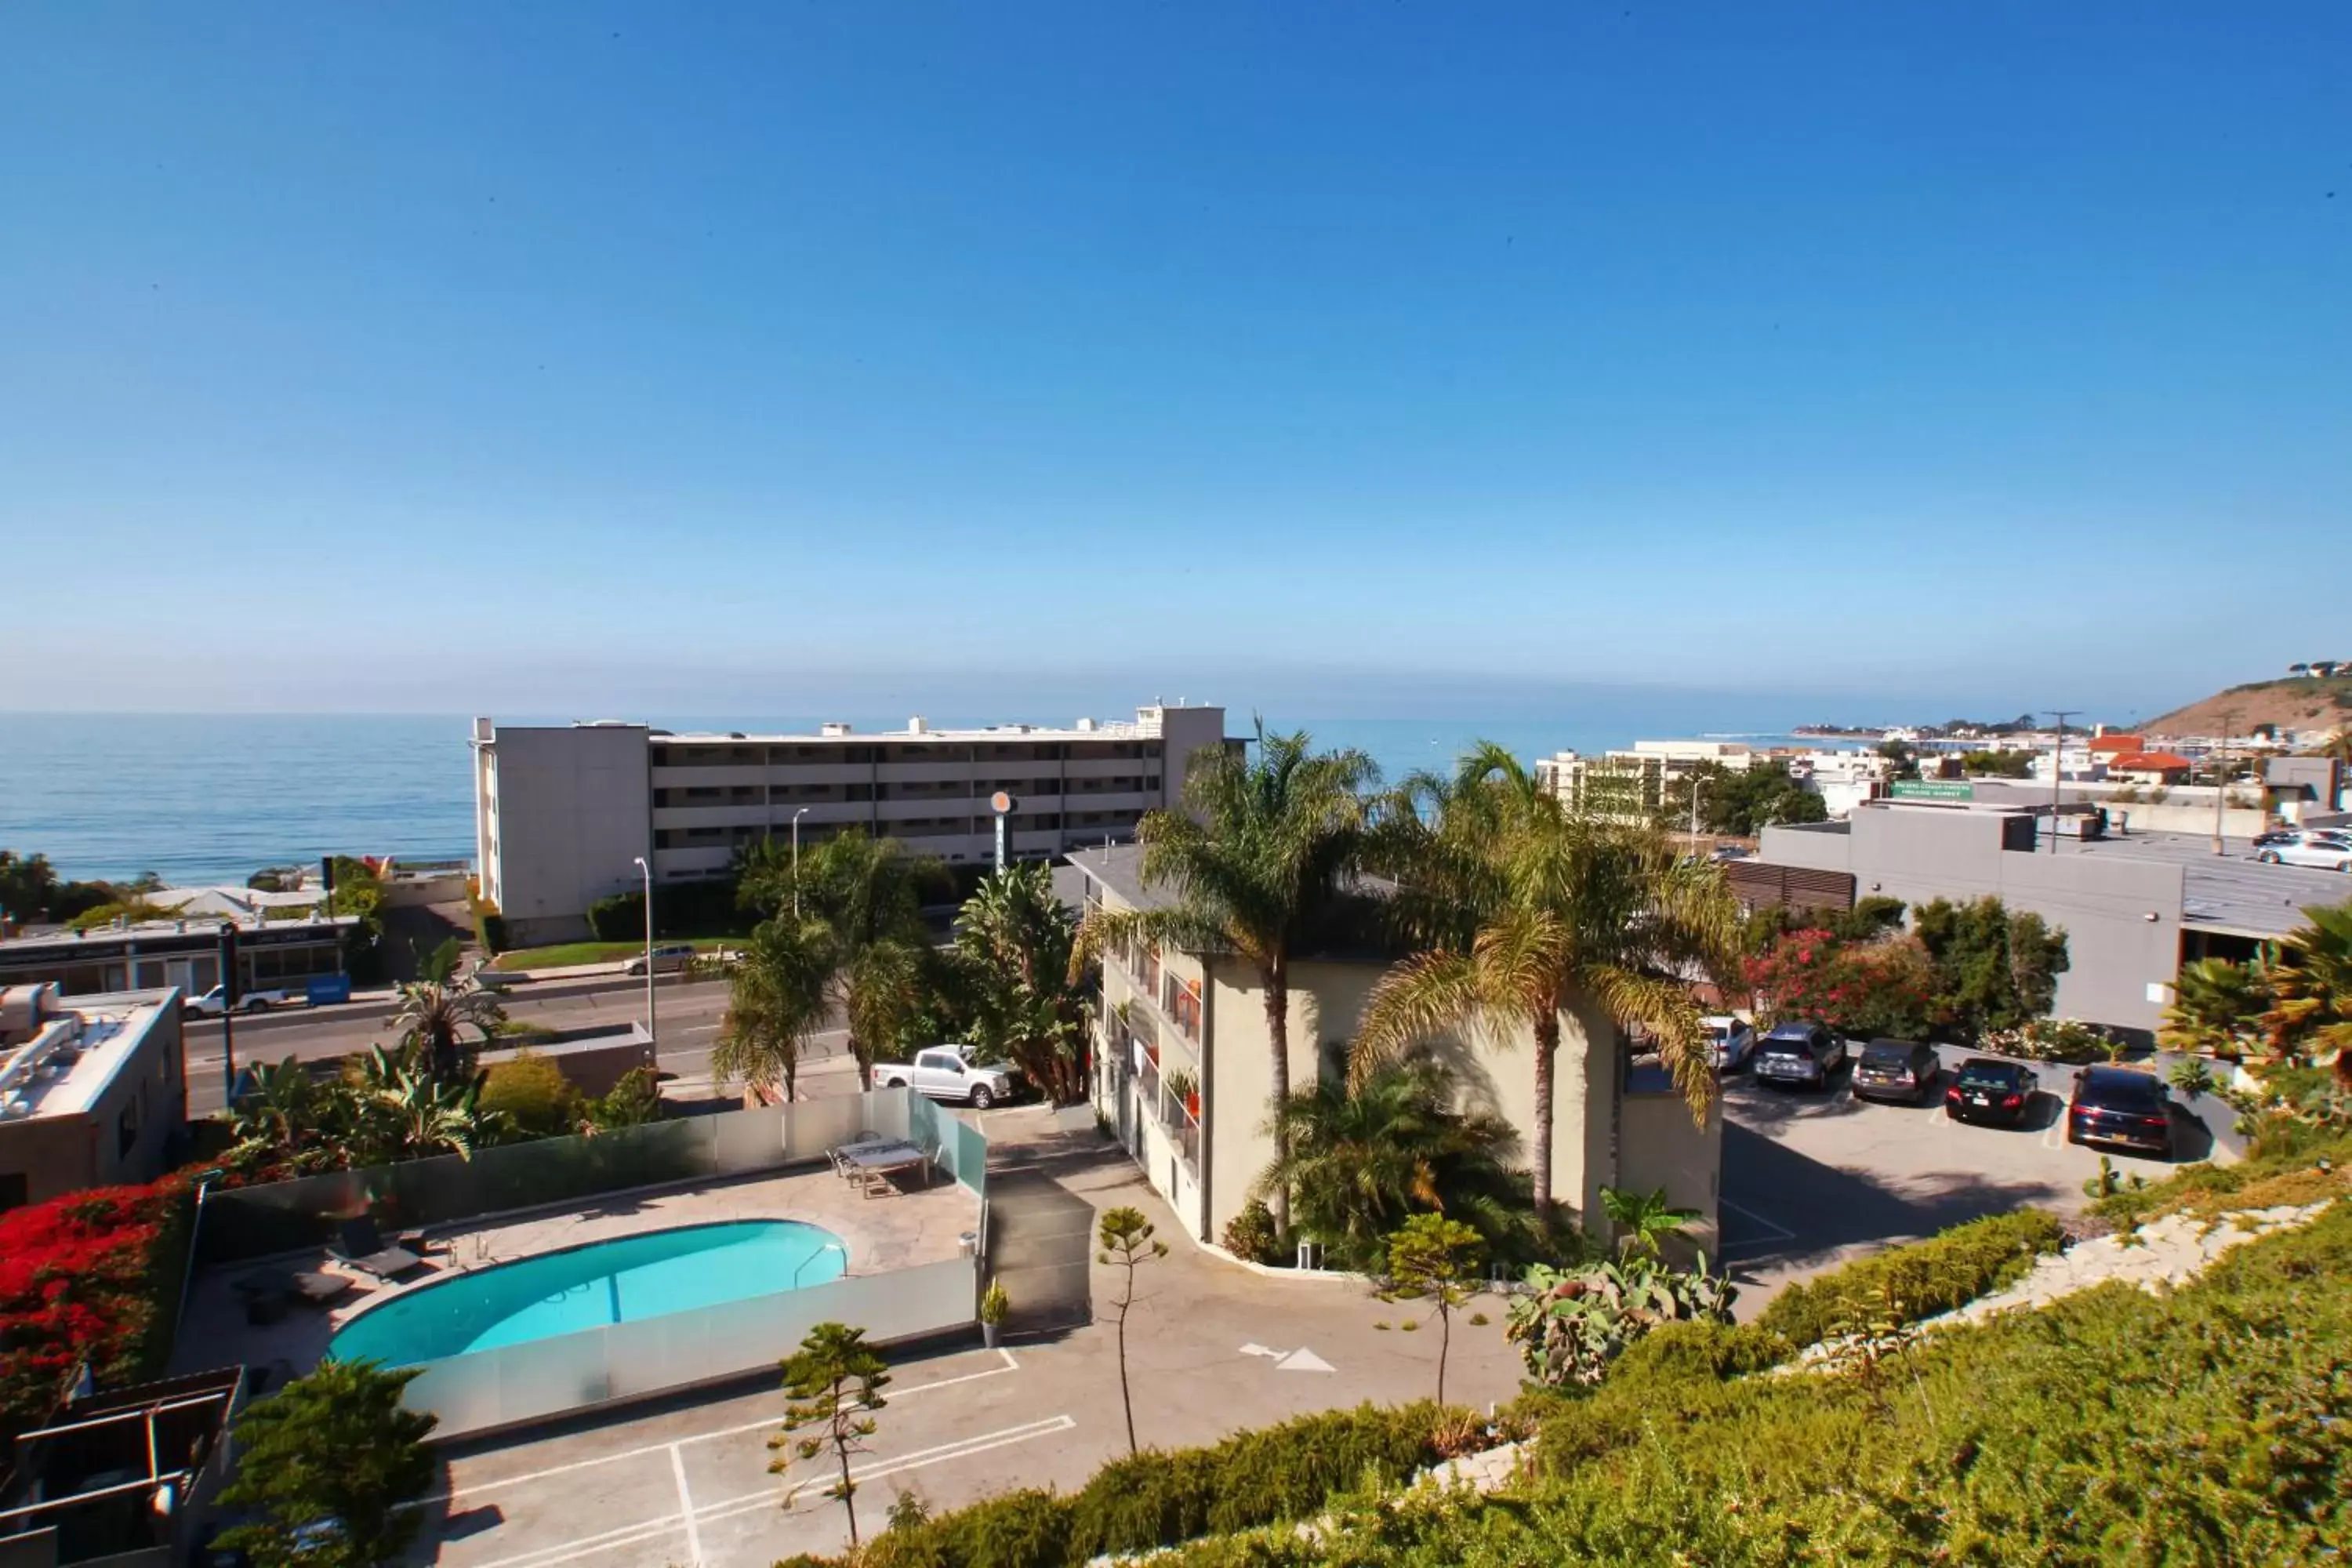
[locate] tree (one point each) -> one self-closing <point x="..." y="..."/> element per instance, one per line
<point x="1256" y="865"/>
<point x="1362" y="1159"/>
<point x="332" y="1462"/>
<point x="436" y="1016"/>
<point x="1994" y="970"/>
<point x="2217" y="1008"/>
<point x="1871" y="988"/>
<point x="1742" y="801"/>
<point x="1525" y="911"/>
<point x="867" y="893"/>
<point x="835" y="1381"/>
<point x="2311" y="983"/>
<point x="1126" y="1242"/>
<point x="1013" y="941"/>
<point x="777" y="996"/>
<point x="2001" y="764"/>
<point x="1644" y="1222"/>
<point x="1435" y="1258"/>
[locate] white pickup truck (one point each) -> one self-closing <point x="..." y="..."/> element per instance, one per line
<point x="214" y="1002"/>
<point x="945" y="1072"/>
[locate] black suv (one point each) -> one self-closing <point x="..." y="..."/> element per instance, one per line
<point x="1989" y="1090"/>
<point x="1896" y="1069"/>
<point x="2118" y="1106"/>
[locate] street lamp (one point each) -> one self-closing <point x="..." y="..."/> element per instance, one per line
<point x="797" y="861"/>
<point x="653" y="1044"/>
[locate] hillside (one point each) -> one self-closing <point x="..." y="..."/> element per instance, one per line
<point x="2295" y="702"/>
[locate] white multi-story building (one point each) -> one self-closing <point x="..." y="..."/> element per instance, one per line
<point x="1843" y="779"/>
<point x="562" y="811"/>
<point x="1636" y="784"/>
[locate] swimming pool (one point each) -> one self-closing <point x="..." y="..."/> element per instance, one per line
<point x="604" y="1282"/>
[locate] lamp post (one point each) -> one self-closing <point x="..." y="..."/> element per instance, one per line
<point x="797" y="861"/>
<point x="653" y="1043"/>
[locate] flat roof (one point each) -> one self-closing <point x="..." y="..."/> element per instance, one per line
<point x="2231" y="892"/>
<point x="1120" y="730"/>
<point x="197" y="933"/>
<point x="67" y="1067"/>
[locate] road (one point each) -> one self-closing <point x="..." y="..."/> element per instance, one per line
<point x="689" y="1014"/>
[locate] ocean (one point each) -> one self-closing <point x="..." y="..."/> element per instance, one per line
<point x="200" y="798"/>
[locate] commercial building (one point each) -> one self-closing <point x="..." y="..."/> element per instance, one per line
<point x="1639" y="784"/>
<point x="272" y="954"/>
<point x="562" y="813"/>
<point x="2134" y="908"/>
<point x="92" y="1093"/>
<point x="1184" y="1059"/>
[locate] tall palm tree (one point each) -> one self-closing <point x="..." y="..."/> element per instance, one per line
<point x="1256" y="864"/>
<point x="777" y="996"/>
<point x="1526" y="911"/>
<point x="434" y="1017"/>
<point x="1359" y="1160"/>
<point x="2311" y="986"/>
<point x="867" y="893"/>
<point x="1013" y="941"/>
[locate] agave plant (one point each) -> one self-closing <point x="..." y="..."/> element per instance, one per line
<point x="1574" y="1323"/>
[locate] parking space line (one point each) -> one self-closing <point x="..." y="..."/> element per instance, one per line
<point x="686" y="1508"/>
<point x="604" y="1540"/>
<point x="472" y="1487"/>
<point x="1779" y="1231"/>
<point x="982" y="1442"/>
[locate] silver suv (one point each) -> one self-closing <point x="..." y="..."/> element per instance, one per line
<point x="2330" y="851"/>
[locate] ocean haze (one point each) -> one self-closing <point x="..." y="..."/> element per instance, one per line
<point x="205" y="798"/>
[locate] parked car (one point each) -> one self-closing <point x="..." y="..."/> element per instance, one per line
<point x="2270" y="836"/>
<point x="1733" y="1041"/>
<point x="2118" y="1106"/>
<point x="671" y="960"/>
<point x="1991" y="1091"/>
<point x="1896" y="1069"/>
<point x="2319" y="849"/>
<point x="1800" y="1053"/>
<point x="214" y="1002"/>
<point x="947" y="1072"/>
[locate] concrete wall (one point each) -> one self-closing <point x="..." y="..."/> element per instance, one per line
<point x="570" y="807"/>
<point x="2116" y="950"/>
<point x="1184" y="732"/>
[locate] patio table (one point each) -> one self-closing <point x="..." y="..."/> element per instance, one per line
<point x="875" y="1164"/>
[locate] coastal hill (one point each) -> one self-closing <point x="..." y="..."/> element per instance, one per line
<point x="2291" y="702"/>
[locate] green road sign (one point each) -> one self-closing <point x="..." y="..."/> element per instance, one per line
<point x="1933" y="789"/>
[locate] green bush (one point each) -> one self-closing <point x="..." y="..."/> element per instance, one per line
<point x="1928" y="1278"/>
<point x="533" y="1090"/>
<point x="619" y="918"/>
<point x="1160" y="1499"/>
<point x="1250" y="1234"/>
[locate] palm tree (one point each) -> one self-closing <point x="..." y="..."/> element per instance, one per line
<point x="1527" y="910"/>
<point x="2216" y="1007"/>
<point x="777" y="996"/>
<point x="1256" y="863"/>
<point x="1013" y="941"/>
<point x="1359" y="1160"/>
<point x="435" y="1017"/>
<point x="2311" y="986"/>
<point x="867" y="893"/>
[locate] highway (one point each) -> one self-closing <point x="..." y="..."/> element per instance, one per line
<point x="689" y="1014"/>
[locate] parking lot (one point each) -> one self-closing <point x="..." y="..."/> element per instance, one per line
<point x="1813" y="1177"/>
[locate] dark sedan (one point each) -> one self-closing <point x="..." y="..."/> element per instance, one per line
<point x="1992" y="1091"/>
<point x="2116" y="1105"/>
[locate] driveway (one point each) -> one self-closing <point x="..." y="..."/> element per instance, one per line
<point x="1811" y="1179"/>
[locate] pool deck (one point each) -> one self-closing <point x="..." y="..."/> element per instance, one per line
<point x="883" y="1234"/>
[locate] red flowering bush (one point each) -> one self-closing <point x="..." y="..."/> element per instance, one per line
<point x="88" y="1278"/>
<point x="1864" y="990"/>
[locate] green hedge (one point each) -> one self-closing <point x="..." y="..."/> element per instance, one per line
<point x="680" y="910"/>
<point x="1927" y="1276"/>
<point x="1160" y="1498"/>
<point x="620" y="918"/>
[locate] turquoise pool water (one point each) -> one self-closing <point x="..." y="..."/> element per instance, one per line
<point x="617" y="1281"/>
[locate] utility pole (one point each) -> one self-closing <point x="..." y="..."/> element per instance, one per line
<point x="2222" y="779"/>
<point x="2058" y="768"/>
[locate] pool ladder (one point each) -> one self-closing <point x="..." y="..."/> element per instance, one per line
<point x="820" y="1252"/>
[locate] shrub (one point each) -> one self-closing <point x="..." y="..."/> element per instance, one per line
<point x="1885" y="987"/>
<point x="633" y="1102"/>
<point x="618" y="918"/>
<point x="2066" y="1041"/>
<point x="1250" y="1234"/>
<point x="531" y="1089"/>
<point x="1928" y="1278"/>
<point x="1575" y="1324"/>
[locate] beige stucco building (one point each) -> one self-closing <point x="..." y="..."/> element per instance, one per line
<point x="1168" y="1017"/>
<point x="93" y="1091"/>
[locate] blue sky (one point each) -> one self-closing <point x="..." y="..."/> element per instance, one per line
<point x="579" y="357"/>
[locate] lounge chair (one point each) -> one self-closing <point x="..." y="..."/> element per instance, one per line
<point x="269" y="1292"/>
<point x="361" y="1246"/>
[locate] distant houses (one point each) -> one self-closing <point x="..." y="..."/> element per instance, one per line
<point x="2321" y="668"/>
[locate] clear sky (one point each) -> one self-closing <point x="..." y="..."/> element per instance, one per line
<point x="578" y="357"/>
